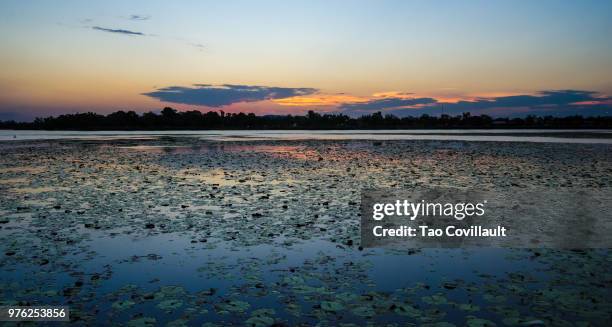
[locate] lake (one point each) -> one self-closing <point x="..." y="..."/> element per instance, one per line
<point x="262" y="228"/>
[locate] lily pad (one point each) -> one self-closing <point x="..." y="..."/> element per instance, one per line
<point x="142" y="322"/>
<point x="364" y="311"/>
<point x="233" y="306"/>
<point x="169" y="305"/>
<point x="123" y="304"/>
<point x="468" y="307"/>
<point x="478" y="322"/>
<point x="436" y="299"/>
<point x="331" y="306"/>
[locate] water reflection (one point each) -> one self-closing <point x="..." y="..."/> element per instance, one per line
<point x="495" y="135"/>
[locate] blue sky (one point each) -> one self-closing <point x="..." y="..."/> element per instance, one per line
<point x="68" y="56"/>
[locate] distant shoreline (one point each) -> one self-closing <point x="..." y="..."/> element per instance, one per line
<point x="171" y="119"/>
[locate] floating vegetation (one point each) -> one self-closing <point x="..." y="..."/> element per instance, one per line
<point x="170" y="305"/>
<point x="182" y="231"/>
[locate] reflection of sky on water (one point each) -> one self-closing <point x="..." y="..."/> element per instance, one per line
<point x="388" y="270"/>
<point x="498" y="135"/>
<point x="179" y="262"/>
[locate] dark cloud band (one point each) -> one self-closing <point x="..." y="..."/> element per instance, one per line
<point x="223" y="95"/>
<point x="553" y="102"/>
<point x="118" y="31"/>
<point x="139" y="17"/>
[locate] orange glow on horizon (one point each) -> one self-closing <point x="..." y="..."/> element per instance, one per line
<point x="329" y="100"/>
<point x="320" y="100"/>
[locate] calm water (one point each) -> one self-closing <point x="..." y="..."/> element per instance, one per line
<point x="497" y="135"/>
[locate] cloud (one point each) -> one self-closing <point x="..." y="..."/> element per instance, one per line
<point x="120" y="31"/>
<point x="139" y="17"/>
<point x="386" y="103"/>
<point x="197" y="45"/>
<point x="226" y="94"/>
<point x="542" y="99"/>
<point x="550" y="102"/>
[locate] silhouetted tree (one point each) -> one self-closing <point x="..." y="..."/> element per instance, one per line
<point x="172" y="119"/>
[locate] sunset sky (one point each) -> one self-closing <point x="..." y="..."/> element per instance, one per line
<point x="279" y="57"/>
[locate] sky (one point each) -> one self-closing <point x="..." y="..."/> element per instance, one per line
<point x="502" y="58"/>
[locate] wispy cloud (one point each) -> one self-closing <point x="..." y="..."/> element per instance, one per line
<point x="139" y="17"/>
<point x="89" y="22"/>
<point x="118" y="31"/>
<point x="226" y="94"/>
<point x="199" y="46"/>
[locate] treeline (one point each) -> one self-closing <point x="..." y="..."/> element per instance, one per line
<point x="171" y="119"/>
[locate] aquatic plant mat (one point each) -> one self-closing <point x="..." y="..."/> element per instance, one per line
<point x="183" y="231"/>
